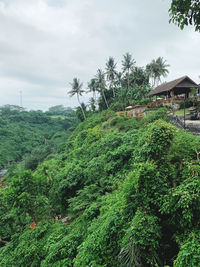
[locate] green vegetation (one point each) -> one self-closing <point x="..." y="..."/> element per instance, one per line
<point x="185" y="12"/>
<point x="156" y="69"/>
<point x="129" y="189"/>
<point x="116" y="89"/>
<point x="33" y="135"/>
<point x="109" y="191"/>
<point x="77" y="90"/>
<point x="180" y="112"/>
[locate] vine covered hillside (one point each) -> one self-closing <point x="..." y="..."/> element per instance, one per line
<point x="122" y="192"/>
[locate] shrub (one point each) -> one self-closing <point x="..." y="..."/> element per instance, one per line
<point x="142" y="246"/>
<point x="189" y="254"/>
<point x="156" y="140"/>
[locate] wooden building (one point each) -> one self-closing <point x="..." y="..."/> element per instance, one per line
<point x="181" y="86"/>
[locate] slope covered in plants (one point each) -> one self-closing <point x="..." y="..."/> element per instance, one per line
<point x="130" y="191"/>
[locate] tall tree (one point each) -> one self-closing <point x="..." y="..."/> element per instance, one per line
<point x="77" y="90"/>
<point x="127" y="64"/>
<point x="163" y="67"/>
<point x="111" y="72"/>
<point x="184" y="12"/>
<point x="151" y="69"/>
<point x="92" y="104"/>
<point x="156" y="69"/>
<point x="139" y="76"/>
<point x="92" y="86"/>
<point x="118" y="81"/>
<point x="101" y="83"/>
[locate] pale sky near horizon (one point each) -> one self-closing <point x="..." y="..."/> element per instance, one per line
<point x="44" y="44"/>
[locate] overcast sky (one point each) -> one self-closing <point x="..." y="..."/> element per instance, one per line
<point x="44" y="44"/>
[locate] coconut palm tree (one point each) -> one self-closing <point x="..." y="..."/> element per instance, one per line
<point x="111" y="72"/>
<point x="92" y="104"/>
<point x="156" y="69"/>
<point x="77" y="90"/>
<point x="92" y="86"/>
<point x="101" y="83"/>
<point x="127" y="64"/>
<point x="162" y="67"/>
<point x="154" y="72"/>
<point x="118" y="81"/>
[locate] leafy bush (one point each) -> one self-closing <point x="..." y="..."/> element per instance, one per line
<point x="155" y="141"/>
<point x="142" y="246"/>
<point x="160" y="113"/>
<point x="189" y="254"/>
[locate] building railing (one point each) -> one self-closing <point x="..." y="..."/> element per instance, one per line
<point x="178" y="122"/>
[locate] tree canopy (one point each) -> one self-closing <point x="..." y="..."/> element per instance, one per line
<point x="32" y="135"/>
<point x="117" y="87"/>
<point x="185" y="12"/>
<point x="76" y="89"/>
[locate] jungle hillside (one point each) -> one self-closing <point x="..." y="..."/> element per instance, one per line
<point x="99" y="185"/>
<point x="122" y="192"/>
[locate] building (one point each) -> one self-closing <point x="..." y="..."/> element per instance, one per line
<point x="181" y="86"/>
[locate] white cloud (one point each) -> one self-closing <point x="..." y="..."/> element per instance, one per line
<point x="45" y="43"/>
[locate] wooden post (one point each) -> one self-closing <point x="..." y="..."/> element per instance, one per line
<point x="184" y="111"/>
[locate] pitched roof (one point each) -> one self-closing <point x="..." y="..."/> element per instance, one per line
<point x="164" y="88"/>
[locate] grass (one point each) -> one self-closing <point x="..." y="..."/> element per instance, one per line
<point x="180" y="112"/>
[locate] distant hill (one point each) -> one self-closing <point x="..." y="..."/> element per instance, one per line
<point x="21" y="132"/>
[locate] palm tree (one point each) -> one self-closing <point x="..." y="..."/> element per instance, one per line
<point x="77" y="90"/>
<point x="127" y="64"/>
<point x="150" y="73"/>
<point x="153" y="70"/>
<point x="156" y="69"/>
<point x="111" y="72"/>
<point x="92" y="104"/>
<point x="122" y="97"/>
<point x="101" y="83"/>
<point x="163" y="67"/>
<point x="118" y="81"/>
<point x="139" y="76"/>
<point x="92" y="86"/>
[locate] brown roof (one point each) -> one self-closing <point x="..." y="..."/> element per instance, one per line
<point x="183" y="82"/>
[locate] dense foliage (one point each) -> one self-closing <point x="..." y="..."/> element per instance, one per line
<point x="185" y="12"/>
<point x="118" y="87"/>
<point x="33" y="133"/>
<point x="129" y="188"/>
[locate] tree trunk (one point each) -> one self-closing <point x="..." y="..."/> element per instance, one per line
<point x="113" y="90"/>
<point x="95" y="97"/>
<point x="128" y="79"/>
<point x="81" y="107"/>
<point x="154" y="81"/>
<point x="105" y="99"/>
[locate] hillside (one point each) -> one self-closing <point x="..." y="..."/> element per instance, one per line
<point x="128" y="190"/>
<point x="32" y="132"/>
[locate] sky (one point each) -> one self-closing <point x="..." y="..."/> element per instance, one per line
<point x="44" y="44"/>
